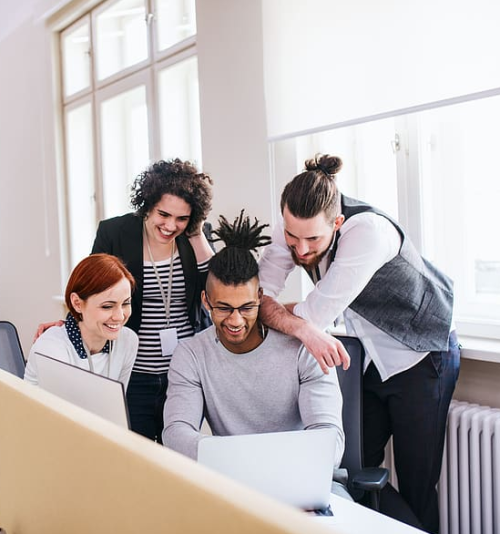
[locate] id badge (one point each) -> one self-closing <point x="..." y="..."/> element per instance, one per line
<point x="168" y="338"/>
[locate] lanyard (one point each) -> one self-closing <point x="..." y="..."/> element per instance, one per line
<point x="166" y="300"/>
<point x="89" y="358"/>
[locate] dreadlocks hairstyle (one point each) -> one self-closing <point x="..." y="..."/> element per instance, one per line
<point x="235" y="264"/>
<point x="314" y="190"/>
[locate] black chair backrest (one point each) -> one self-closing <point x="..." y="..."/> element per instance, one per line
<point x="11" y="353"/>
<point x="351" y="385"/>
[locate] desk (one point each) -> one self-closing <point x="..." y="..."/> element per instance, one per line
<point x="37" y="490"/>
<point x="350" y="517"/>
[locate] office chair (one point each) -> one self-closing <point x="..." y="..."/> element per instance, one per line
<point x="11" y="353"/>
<point x="360" y="479"/>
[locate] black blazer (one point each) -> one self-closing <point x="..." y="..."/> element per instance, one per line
<point x="123" y="237"/>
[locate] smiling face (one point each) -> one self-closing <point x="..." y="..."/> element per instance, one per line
<point x="167" y="220"/>
<point x="309" y="239"/>
<point x="237" y="331"/>
<point x="103" y="314"/>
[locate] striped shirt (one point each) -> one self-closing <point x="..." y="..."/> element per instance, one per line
<point x="153" y="319"/>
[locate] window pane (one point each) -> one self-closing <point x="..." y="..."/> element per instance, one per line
<point x="369" y="166"/>
<point x="124" y="145"/>
<point x="175" y="21"/>
<point x="76" y="60"/>
<point x="80" y="170"/>
<point x="461" y="187"/>
<point x="180" y="111"/>
<point x="121" y="37"/>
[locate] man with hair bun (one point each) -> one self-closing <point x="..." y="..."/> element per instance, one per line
<point x="240" y="375"/>
<point x="364" y="266"/>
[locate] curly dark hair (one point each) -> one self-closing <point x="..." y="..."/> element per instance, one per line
<point x="314" y="190"/>
<point x="178" y="178"/>
<point x="235" y="264"/>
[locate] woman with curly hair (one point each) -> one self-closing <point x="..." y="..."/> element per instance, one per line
<point x="167" y="252"/>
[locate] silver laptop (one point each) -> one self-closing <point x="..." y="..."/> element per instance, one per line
<point x="293" y="467"/>
<point x="95" y="393"/>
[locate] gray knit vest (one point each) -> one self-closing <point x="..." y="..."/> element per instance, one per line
<point x="407" y="298"/>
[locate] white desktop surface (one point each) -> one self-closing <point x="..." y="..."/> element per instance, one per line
<point x="351" y="517"/>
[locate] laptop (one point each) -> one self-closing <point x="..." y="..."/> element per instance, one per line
<point x="95" y="393"/>
<point x="294" y="467"/>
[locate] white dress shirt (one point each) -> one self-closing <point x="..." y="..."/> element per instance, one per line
<point x="365" y="243"/>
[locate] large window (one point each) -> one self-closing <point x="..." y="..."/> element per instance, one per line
<point x="435" y="171"/>
<point x="130" y="97"/>
<point x="460" y="188"/>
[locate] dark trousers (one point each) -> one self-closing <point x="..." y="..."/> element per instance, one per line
<point x="146" y="394"/>
<point x="412" y="406"/>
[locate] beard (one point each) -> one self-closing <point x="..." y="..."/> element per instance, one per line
<point x="311" y="261"/>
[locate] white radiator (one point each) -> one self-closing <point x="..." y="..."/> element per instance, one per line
<point x="469" y="487"/>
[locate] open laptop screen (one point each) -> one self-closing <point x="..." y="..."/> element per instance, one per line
<point x="294" y="467"/>
<point x="95" y="393"/>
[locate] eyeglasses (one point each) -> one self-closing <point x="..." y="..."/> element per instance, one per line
<point x="247" y="310"/>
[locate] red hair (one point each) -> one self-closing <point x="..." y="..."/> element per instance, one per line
<point x="94" y="274"/>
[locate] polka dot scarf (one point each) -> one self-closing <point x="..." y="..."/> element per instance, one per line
<point x="75" y="337"/>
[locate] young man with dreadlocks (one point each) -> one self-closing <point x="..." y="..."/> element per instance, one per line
<point x="241" y="376"/>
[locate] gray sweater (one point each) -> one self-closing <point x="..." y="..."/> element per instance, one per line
<point x="277" y="387"/>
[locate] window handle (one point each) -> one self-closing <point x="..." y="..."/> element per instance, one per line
<point x="396" y="144"/>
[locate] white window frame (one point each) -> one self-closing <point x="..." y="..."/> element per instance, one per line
<point x="164" y="62"/>
<point x="108" y="80"/>
<point x="143" y="73"/>
<point x="87" y="98"/>
<point x="159" y="66"/>
<point x="180" y="46"/>
<point x="141" y="78"/>
<point x="75" y="96"/>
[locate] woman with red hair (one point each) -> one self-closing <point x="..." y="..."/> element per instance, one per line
<point x="93" y="337"/>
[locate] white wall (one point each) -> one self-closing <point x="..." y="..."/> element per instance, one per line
<point x="29" y="228"/>
<point x="233" y="118"/>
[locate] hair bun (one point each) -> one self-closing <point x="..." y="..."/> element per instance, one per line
<point x="329" y="165"/>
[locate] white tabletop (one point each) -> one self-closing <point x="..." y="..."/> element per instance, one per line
<point x="350" y="517"/>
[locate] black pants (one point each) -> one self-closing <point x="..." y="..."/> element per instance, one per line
<point x="412" y="406"/>
<point x="146" y="394"/>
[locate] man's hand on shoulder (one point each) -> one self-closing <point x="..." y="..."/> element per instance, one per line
<point x="45" y="326"/>
<point x="328" y="350"/>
